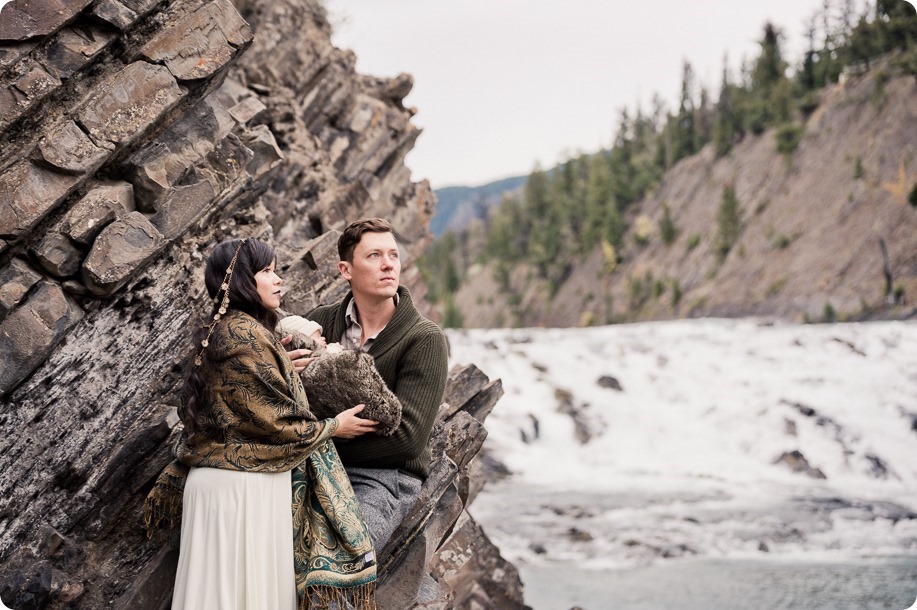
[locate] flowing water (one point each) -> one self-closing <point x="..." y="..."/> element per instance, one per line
<point x="710" y="464"/>
<point x="877" y="584"/>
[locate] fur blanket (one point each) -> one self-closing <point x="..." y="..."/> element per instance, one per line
<point x="341" y="379"/>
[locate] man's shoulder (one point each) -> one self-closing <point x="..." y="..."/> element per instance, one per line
<point x="324" y="313"/>
<point x="428" y="333"/>
<point x="425" y="326"/>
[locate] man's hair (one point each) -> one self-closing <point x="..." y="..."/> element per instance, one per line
<point x="354" y="233"/>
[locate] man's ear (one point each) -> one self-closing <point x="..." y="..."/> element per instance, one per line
<point x="344" y="268"/>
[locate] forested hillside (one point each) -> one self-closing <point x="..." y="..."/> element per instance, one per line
<point x="791" y="193"/>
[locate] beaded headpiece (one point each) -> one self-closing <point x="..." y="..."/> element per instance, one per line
<point x="224" y="288"/>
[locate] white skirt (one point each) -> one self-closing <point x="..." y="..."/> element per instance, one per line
<point x="236" y="548"/>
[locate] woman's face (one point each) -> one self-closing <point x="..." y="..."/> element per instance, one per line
<point x="269" y="284"/>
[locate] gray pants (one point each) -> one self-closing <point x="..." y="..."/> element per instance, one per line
<point x="386" y="495"/>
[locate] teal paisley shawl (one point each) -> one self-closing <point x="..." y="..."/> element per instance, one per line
<point x="258" y="420"/>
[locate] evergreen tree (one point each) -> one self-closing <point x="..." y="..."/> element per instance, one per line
<point x="683" y="137"/>
<point x="770" y="69"/>
<point x="703" y="121"/>
<point x="729" y="222"/>
<point x="667" y="228"/>
<point x="806" y="75"/>
<point x="896" y="22"/>
<point x="724" y="123"/>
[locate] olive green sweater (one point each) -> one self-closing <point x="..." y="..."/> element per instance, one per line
<point x="411" y="354"/>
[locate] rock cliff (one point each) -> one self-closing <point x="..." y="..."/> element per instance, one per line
<point x="135" y="135"/>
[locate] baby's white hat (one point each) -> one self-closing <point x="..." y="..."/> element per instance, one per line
<point x="300" y="325"/>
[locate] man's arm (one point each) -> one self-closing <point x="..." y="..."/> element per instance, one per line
<point x="419" y="386"/>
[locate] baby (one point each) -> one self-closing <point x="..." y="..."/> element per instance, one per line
<point x="307" y="335"/>
<point x="340" y="379"/>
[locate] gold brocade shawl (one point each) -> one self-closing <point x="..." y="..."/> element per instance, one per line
<point x="257" y="419"/>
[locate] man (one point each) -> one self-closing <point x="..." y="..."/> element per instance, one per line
<point x="411" y="355"/>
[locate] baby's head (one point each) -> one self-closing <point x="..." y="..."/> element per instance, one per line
<point x="306" y="333"/>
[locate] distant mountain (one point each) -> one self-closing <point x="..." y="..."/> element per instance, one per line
<point x="457" y="206"/>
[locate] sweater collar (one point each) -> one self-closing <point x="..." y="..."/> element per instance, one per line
<point x="404" y="318"/>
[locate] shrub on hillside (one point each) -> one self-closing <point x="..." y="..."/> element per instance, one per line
<point x="729" y="222"/>
<point x="667" y="228"/>
<point x="788" y="137"/>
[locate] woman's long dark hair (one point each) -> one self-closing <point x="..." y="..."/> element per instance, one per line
<point x="254" y="256"/>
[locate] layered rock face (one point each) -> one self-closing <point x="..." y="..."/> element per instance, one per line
<point x="135" y="135"/>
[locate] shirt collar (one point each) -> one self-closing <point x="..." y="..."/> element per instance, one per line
<point x="351" y="315"/>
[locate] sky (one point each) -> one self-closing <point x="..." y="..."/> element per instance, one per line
<point x="501" y="85"/>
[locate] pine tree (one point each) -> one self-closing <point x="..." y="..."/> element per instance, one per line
<point x="599" y="200"/>
<point x="729" y="222"/>
<point x="770" y="68"/>
<point x="684" y="137"/>
<point x="667" y="228"/>
<point x="724" y="123"/>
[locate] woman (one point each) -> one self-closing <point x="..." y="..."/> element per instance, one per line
<point x="250" y="451"/>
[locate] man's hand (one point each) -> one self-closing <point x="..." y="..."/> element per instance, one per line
<point x="299" y="357"/>
<point x="351" y="426"/>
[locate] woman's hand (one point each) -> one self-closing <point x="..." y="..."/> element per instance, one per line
<point x="299" y="357"/>
<point x="351" y="426"/>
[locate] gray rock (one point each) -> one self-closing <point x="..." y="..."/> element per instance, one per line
<point x="57" y="255"/>
<point x="798" y="463"/>
<point x="73" y="49"/>
<point x="313" y="274"/>
<point x="12" y="52"/>
<point x="73" y="287"/>
<point x="182" y="207"/>
<point x="399" y="87"/>
<point x="472" y="566"/>
<point x="141" y="7"/>
<point x="157" y="167"/>
<point x="464" y="382"/>
<point x="24" y="19"/>
<point x="101" y="205"/>
<point x="16" y="279"/>
<point x="27" y="193"/>
<point x="482" y="403"/>
<point x="119" y="251"/>
<point x="266" y="154"/>
<point x="201" y="43"/>
<point x="24" y="93"/>
<point x="68" y="150"/>
<point x="115" y="13"/>
<point x="247" y="109"/>
<point x="129" y="103"/>
<point x="607" y="381"/>
<point x="879" y="468"/>
<point x="31" y="331"/>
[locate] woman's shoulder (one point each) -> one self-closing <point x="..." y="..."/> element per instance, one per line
<point x="239" y="332"/>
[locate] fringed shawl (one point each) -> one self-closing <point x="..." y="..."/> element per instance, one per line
<point x="258" y="420"/>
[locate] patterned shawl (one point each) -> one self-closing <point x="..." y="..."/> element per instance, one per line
<point x="258" y="420"/>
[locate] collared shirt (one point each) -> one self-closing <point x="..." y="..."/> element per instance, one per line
<point x="353" y="332"/>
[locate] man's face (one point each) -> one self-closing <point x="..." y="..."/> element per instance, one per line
<point x="376" y="266"/>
